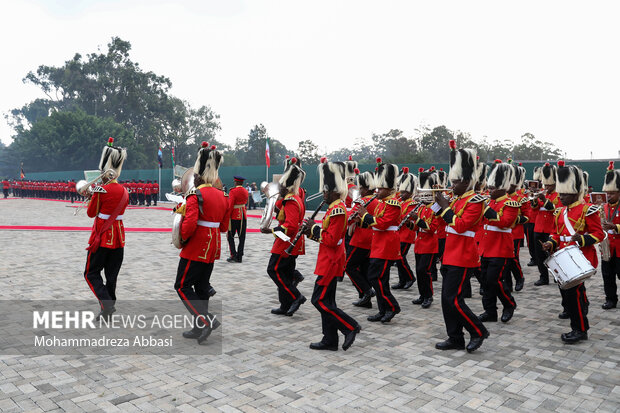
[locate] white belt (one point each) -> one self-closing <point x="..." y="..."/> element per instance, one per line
<point x="391" y="228"/>
<point x="611" y="231"/>
<point x="470" y="234"/>
<point x="497" y="229"/>
<point x="339" y="241"/>
<point x="208" y="224"/>
<point x="565" y="239"/>
<point x="543" y="209"/>
<point x="106" y="216"/>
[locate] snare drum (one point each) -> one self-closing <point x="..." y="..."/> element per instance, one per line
<point x="569" y="267"/>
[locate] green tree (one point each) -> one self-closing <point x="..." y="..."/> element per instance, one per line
<point x="251" y="150"/>
<point x="308" y="152"/>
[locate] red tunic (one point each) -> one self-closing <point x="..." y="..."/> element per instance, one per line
<point x="427" y="225"/>
<point x="500" y="216"/>
<point x="290" y="216"/>
<point x="462" y="219"/>
<point x="517" y="231"/>
<point x="102" y="204"/>
<point x="384" y="220"/>
<point x="362" y="237"/>
<point x="614" y="236"/>
<point x="348" y="201"/>
<point x="330" y="234"/>
<point x="406" y="235"/>
<point x="544" y="219"/>
<point x="586" y="221"/>
<point x="5" y="184"/>
<point x="237" y="198"/>
<point x="202" y="229"/>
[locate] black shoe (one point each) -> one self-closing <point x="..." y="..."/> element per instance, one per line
<point x="322" y="346"/>
<point x="532" y="263"/>
<point x="487" y="317"/>
<point x="476" y="342"/>
<point x="205" y="332"/>
<point x="418" y="301"/>
<point x="519" y="284"/>
<point x="609" y="305"/>
<point x="564" y="315"/>
<point x="193" y="333"/>
<point x="574" y="336"/>
<point x="350" y="338"/>
<point x="507" y="314"/>
<point x="427" y="302"/>
<point x="279" y="311"/>
<point x="376" y="317"/>
<point x="297" y="278"/>
<point x="372" y="292"/>
<point x="212" y="291"/>
<point x="389" y="315"/>
<point x="451" y="344"/>
<point x="408" y="284"/>
<point x="239" y="260"/>
<point x="295" y="305"/>
<point x="540" y="282"/>
<point x="364" y="301"/>
<point x="231" y="259"/>
<point x="398" y="286"/>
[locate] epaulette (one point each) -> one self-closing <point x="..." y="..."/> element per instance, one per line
<point x="99" y="189"/>
<point x="556" y="211"/>
<point x="393" y="202"/>
<point x="337" y="211"/>
<point x="191" y="192"/>
<point x="592" y="209"/>
<point x="477" y="199"/>
<point x="524" y="201"/>
<point x="512" y="203"/>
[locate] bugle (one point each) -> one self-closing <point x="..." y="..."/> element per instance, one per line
<point x="303" y="228"/>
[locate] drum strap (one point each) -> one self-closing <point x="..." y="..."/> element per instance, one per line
<point x="567" y="223"/>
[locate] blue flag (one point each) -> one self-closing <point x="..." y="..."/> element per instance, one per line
<point x="159" y="155"/>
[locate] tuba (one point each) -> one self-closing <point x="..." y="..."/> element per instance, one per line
<point x="271" y="191"/>
<point x="186" y="185"/>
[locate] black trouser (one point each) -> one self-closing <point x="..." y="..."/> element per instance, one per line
<point x="541" y="255"/>
<point x="72" y="196"/>
<point x="575" y="302"/>
<point x="148" y="200"/>
<point x="192" y="285"/>
<point x="133" y="198"/>
<point x="379" y="277"/>
<point x="357" y="268"/>
<point x="404" y="270"/>
<point x="611" y="271"/>
<point x="441" y="243"/>
<point x="110" y="261"/>
<point x="528" y="228"/>
<point x="140" y="199"/>
<point x="281" y="270"/>
<point x="515" y="266"/>
<point x="424" y="264"/>
<point x="6" y="192"/>
<point x="237" y="226"/>
<point x="154" y="196"/>
<point x="332" y="317"/>
<point x="456" y="313"/>
<point x="494" y="272"/>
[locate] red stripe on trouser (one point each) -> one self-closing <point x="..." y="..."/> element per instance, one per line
<point x="516" y="258"/>
<point x="345" y="267"/>
<point x="460" y="310"/>
<point x="402" y="260"/>
<point x="275" y="269"/>
<point x="381" y="287"/>
<point x="324" y="307"/>
<point x="501" y="285"/>
<point x="583" y="325"/>
<point x="88" y="282"/>
<point x="428" y="272"/>
<point x="184" y="297"/>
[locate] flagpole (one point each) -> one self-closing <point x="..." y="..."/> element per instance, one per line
<point x="159" y="184"/>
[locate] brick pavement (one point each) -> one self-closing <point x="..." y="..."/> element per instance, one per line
<point x="266" y="364"/>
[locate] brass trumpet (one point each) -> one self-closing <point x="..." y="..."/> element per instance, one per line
<point x="85" y="188"/>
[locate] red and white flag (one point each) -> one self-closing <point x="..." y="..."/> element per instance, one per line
<point x="267" y="157"/>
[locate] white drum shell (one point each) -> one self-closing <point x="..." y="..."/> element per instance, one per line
<point x="569" y="267"/>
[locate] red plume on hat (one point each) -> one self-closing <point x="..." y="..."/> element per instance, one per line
<point x="546" y="163"/>
<point x="498" y="161"/>
<point x="441" y="169"/>
<point x="350" y="157"/>
<point x="405" y="170"/>
<point x="420" y="169"/>
<point x="323" y="159"/>
<point x="452" y="144"/>
<point x="110" y="141"/>
<point x="520" y="163"/>
<point x="294" y="160"/>
<point x="286" y="157"/>
<point x="378" y="159"/>
<point x="204" y="144"/>
<point x="357" y="171"/>
<point x="561" y="163"/>
<point x="611" y="166"/>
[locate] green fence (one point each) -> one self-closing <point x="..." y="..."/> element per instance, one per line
<point x="257" y="174"/>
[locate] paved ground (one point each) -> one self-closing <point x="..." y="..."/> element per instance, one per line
<point x="266" y="364"/>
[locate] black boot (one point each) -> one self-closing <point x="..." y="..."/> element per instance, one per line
<point x="364" y="301"/>
<point x="427" y="302"/>
<point x="451" y="344"/>
<point x="376" y="317"/>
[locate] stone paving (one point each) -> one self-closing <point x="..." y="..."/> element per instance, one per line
<point x="266" y="364"/>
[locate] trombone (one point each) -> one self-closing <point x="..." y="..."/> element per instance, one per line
<point x="314" y="196"/>
<point x="85" y="188"/>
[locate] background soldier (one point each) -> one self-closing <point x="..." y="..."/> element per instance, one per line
<point x="237" y="199"/>
<point x="611" y="224"/>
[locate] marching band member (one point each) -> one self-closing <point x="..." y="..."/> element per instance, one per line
<point x="206" y="214"/>
<point x="575" y="222"/>
<point x="237" y="198"/>
<point x="407" y="186"/>
<point x="155" y="192"/>
<point x="611" y="224"/>
<point x="545" y="204"/>
<point x="426" y="246"/>
<point x="497" y="246"/>
<point x="107" y="239"/>
<point x="480" y="188"/>
<point x="358" y="253"/>
<point x="441" y="231"/>
<point x="281" y="268"/>
<point x="532" y="214"/>
<point x="5" y="187"/>
<point x="461" y="254"/>
<point x="385" y="247"/>
<point x="330" y="261"/>
<point x="515" y="192"/>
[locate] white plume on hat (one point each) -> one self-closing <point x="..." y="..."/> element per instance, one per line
<point x="569" y="180"/>
<point x="407" y="182"/>
<point x="208" y="162"/>
<point x="612" y="179"/>
<point x="293" y="175"/>
<point x="501" y="176"/>
<point x="112" y="157"/>
<point x="332" y="177"/>
<point x="548" y="174"/>
<point x="387" y="176"/>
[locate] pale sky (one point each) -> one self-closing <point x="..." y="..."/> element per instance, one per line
<point x="336" y="71"/>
